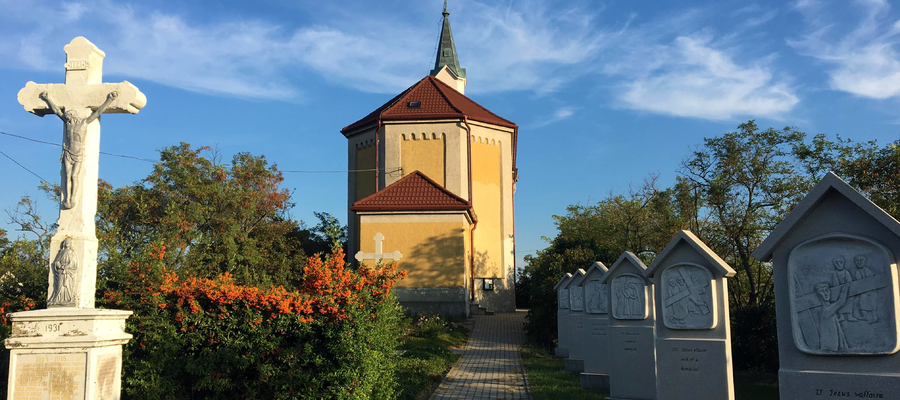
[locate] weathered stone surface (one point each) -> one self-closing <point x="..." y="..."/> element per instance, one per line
<point x="575" y="327"/>
<point x="596" y="324"/>
<point x="693" y="337"/>
<point x="562" y="316"/>
<point x="836" y="295"/>
<point x="632" y="330"/>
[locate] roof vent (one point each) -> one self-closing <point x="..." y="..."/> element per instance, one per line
<point x="414" y="104"/>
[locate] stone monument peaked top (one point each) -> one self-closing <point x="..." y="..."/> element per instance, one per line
<point x="562" y="281"/>
<point x="625" y="262"/>
<point x="831" y="183"/>
<point x="596" y="270"/>
<point x="686" y="238"/>
<point x="576" y="279"/>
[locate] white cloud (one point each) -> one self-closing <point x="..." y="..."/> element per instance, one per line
<point x="691" y="75"/>
<point x="506" y="47"/>
<point x="560" y="114"/>
<point x="864" y="60"/>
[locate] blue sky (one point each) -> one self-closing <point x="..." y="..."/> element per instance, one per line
<point x="604" y="92"/>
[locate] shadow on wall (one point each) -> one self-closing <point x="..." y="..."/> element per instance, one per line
<point x="439" y="261"/>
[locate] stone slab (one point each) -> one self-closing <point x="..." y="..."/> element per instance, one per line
<point x="633" y="359"/>
<point x="561" y="353"/>
<point x="807" y="385"/>
<point x="686" y="367"/>
<point x="594" y="382"/>
<point x="596" y="347"/>
<point x="574" y="365"/>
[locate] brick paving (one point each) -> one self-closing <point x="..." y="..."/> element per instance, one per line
<point x="491" y="367"/>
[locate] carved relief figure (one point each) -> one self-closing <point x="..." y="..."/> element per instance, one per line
<point x="72" y="158"/>
<point x="687" y="297"/>
<point x="629" y="301"/>
<point x="596" y="296"/>
<point x="63" y="268"/>
<point x="564" y="298"/>
<point x="577" y="295"/>
<point x="840" y="309"/>
<point x="866" y="304"/>
<point x="831" y="334"/>
<point x="840" y="277"/>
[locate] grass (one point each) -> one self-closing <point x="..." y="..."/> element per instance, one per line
<point x="426" y="355"/>
<point x="547" y="379"/>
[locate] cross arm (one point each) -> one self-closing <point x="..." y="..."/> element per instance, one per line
<point x="129" y="100"/>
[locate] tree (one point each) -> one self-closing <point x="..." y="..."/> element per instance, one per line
<point x="747" y="181"/>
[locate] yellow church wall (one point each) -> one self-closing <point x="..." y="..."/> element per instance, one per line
<point x="424" y="152"/>
<point x="365" y="181"/>
<point x="433" y="246"/>
<point x="486" y="199"/>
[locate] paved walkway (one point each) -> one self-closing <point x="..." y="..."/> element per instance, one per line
<point x="491" y="367"/>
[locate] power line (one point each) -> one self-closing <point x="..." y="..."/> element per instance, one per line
<point x="152" y="161"/>
<point x="59" y="145"/>
<point x="24" y="167"/>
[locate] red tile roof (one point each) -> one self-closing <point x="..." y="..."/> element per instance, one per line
<point x="414" y="192"/>
<point x="437" y="100"/>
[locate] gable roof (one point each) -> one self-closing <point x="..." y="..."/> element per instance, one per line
<point x="413" y="192"/>
<point x="687" y="238"/>
<point x="626" y="257"/>
<point x="597" y="266"/>
<point x="436" y="99"/>
<point x="577" y="277"/>
<point x="562" y="281"/>
<point x="830" y="183"/>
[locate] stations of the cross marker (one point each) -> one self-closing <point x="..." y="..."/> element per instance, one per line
<point x="378" y="255"/>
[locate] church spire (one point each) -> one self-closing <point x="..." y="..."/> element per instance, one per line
<point x="446" y="53"/>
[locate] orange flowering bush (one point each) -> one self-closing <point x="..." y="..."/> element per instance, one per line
<point x="332" y="337"/>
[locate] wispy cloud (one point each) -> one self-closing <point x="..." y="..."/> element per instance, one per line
<point x="864" y="58"/>
<point x="560" y="114"/>
<point x="675" y="69"/>
<point x="510" y="47"/>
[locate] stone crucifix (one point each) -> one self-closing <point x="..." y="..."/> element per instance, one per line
<point x="378" y="255"/>
<point x="79" y="103"/>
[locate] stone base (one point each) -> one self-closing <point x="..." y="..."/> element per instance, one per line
<point x="69" y="352"/>
<point x="802" y="385"/>
<point x="595" y="382"/>
<point x="561" y="353"/>
<point x="574" y="365"/>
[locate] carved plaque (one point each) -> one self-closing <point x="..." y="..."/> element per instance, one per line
<point x="49" y="376"/>
<point x="629" y="297"/>
<point x="576" y="296"/>
<point x="564" y="298"/>
<point x="596" y="297"/>
<point x="107" y="376"/>
<point x="688" y="293"/>
<point x="843" y="291"/>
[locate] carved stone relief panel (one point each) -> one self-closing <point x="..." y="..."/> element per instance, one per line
<point x="843" y="292"/>
<point x="688" y="293"/>
<point x="629" y="297"/>
<point x="564" y="298"/>
<point x="596" y="297"/>
<point x="576" y="295"/>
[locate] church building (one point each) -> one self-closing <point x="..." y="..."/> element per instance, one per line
<point x="437" y="180"/>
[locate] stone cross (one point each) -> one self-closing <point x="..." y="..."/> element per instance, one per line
<point x="78" y="103"/>
<point x="378" y="255"/>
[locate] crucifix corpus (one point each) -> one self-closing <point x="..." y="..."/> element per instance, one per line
<point x="378" y="255"/>
<point x="79" y="103"/>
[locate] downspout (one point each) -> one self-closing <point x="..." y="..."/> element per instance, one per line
<point x="475" y="221"/>
<point x="377" y="128"/>
<point x="515" y="172"/>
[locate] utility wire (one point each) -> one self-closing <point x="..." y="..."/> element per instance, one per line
<point x="23" y="167"/>
<point x="152" y="161"/>
<point x="59" y="145"/>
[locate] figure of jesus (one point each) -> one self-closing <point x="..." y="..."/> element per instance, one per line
<point x="839" y="277"/>
<point x="831" y="333"/>
<point x="72" y="158"/>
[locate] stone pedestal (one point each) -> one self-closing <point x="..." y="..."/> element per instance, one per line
<point x="594" y="382"/>
<point x="66" y="353"/>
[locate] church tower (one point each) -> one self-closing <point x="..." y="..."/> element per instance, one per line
<point x="435" y="177"/>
